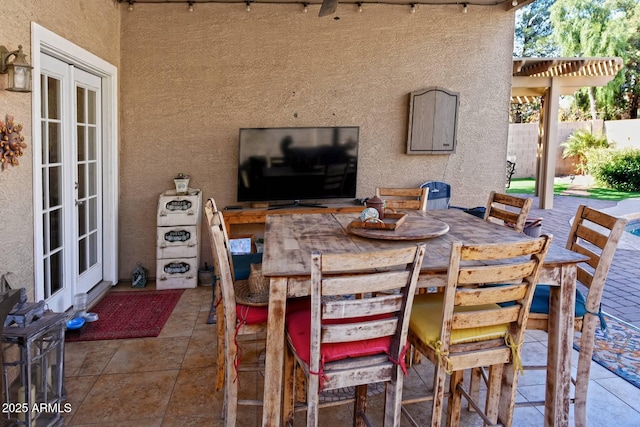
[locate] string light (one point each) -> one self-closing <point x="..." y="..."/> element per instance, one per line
<point x="413" y="8"/>
<point x="248" y="6"/>
<point x="464" y="8"/>
<point x="359" y="7"/>
<point x="306" y="7"/>
<point x="514" y="3"/>
<point x="130" y="5"/>
<point x="190" y="6"/>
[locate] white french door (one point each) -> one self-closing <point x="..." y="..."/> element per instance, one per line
<point x="71" y="260"/>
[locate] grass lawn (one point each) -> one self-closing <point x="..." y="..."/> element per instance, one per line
<point x="527" y="186"/>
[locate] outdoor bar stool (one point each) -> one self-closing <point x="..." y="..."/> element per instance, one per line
<point x="516" y="217"/>
<point x="352" y="342"/>
<point x="404" y="198"/>
<point x="465" y="327"/>
<point x="239" y="313"/>
<point x="596" y="235"/>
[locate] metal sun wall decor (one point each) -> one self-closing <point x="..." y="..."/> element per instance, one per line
<point x="11" y="142"/>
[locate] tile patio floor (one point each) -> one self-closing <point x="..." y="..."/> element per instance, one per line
<point x="168" y="380"/>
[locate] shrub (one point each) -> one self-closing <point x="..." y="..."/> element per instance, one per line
<point x="580" y="143"/>
<point x="619" y="170"/>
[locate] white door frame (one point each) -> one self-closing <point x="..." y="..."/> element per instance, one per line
<point x="45" y="41"/>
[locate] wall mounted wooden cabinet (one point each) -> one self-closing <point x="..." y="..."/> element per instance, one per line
<point x="433" y="121"/>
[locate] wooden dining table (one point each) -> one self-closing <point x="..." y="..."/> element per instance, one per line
<point x="290" y="239"/>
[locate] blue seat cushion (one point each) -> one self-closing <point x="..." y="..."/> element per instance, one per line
<point x="242" y="264"/>
<point x="540" y="303"/>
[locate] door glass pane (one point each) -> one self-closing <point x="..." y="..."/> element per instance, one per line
<point x="82" y="256"/>
<point x="55" y="147"/>
<point x="55" y="186"/>
<point x="45" y="183"/>
<point x="53" y="90"/>
<point x="82" y="182"/>
<point x="45" y="137"/>
<point x="93" y="214"/>
<point x="45" y="235"/>
<point x="80" y="106"/>
<point x="91" y="142"/>
<point x="81" y="143"/>
<point x="43" y="94"/>
<point x="93" y="249"/>
<point x="82" y="219"/>
<point x="47" y="281"/>
<point x="56" y="272"/>
<point x="91" y="107"/>
<point x="55" y="229"/>
<point x="93" y="179"/>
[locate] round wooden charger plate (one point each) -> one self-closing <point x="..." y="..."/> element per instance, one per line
<point x="415" y="228"/>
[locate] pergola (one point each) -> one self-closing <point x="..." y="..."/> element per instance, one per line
<point x="548" y="78"/>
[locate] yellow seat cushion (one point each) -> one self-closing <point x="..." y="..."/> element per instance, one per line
<point x="426" y="322"/>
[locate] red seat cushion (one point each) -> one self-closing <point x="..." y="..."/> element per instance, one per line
<point x="299" y="329"/>
<point x="252" y="315"/>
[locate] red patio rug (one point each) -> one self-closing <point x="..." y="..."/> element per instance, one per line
<point x="128" y="314"/>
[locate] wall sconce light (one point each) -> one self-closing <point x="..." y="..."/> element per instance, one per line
<point x="19" y="70"/>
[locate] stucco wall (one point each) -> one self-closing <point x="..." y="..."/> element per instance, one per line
<point x="91" y="24"/>
<point x="625" y="133"/>
<point x="189" y="81"/>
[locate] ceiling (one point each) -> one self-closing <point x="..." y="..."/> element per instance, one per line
<point x="507" y="4"/>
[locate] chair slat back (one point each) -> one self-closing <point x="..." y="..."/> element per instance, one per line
<point x="498" y="210"/>
<point x="595" y="234"/>
<point x="222" y="264"/>
<point x="211" y="206"/>
<point x="404" y="198"/>
<point x="469" y="304"/>
<point x="385" y="282"/>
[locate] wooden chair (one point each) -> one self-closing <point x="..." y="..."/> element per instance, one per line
<point x="464" y="327"/>
<point x="596" y="235"/>
<point x="515" y="217"/>
<point x="404" y="198"/>
<point x="233" y="319"/>
<point x="343" y="342"/>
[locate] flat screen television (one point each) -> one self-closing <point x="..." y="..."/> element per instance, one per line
<point x="292" y="164"/>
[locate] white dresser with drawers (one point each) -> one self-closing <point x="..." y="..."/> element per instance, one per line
<point x="178" y="239"/>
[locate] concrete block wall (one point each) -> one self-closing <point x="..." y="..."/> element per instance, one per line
<point x="523" y="143"/>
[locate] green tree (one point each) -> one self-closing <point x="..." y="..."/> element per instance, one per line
<point x="602" y="28"/>
<point x="620" y="98"/>
<point x="533" y="31"/>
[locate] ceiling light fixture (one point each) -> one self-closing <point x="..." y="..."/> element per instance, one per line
<point x="190" y="6"/>
<point x="359" y="7"/>
<point x="130" y="6"/>
<point x="19" y="70"/>
<point x="413" y="8"/>
<point x="514" y="3"/>
<point x="464" y="8"/>
<point x="248" y="6"/>
<point x="305" y="7"/>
